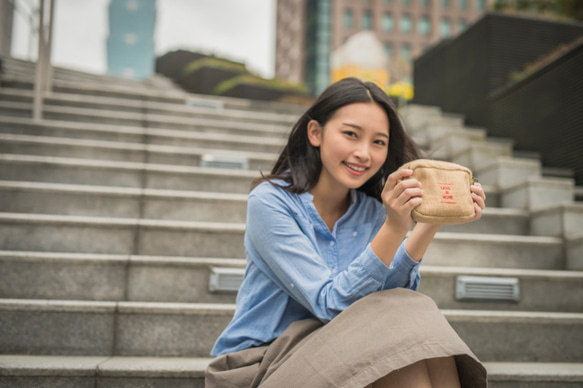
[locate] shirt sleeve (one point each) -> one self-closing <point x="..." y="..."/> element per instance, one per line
<point x="405" y="271"/>
<point x="279" y="246"/>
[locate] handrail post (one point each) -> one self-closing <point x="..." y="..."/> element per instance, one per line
<point x="38" y="79"/>
<point x="42" y="84"/>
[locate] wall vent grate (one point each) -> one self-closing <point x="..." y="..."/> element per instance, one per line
<point x="225" y="279"/>
<point x="487" y="288"/>
<point x="221" y="161"/>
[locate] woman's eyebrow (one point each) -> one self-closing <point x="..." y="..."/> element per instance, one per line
<point x="360" y="129"/>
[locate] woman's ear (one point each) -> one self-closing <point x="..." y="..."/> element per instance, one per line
<point x="314" y="133"/>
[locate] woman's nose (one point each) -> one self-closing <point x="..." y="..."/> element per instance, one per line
<point x="362" y="152"/>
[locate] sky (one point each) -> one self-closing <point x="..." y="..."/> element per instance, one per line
<point x="240" y="30"/>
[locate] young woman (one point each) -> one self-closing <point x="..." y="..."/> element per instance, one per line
<point x="328" y="298"/>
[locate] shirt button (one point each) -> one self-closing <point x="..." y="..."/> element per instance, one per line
<point x="354" y="233"/>
<point x="331" y="243"/>
<point x="391" y="266"/>
<point x="292" y="285"/>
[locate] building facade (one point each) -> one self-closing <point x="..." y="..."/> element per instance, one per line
<point x="130" y="44"/>
<point x="308" y="31"/>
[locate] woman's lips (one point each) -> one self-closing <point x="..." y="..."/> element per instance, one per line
<point x="355" y="169"/>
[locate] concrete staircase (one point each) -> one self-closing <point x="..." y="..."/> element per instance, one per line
<point x="112" y="224"/>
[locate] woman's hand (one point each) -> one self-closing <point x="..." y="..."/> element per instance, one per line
<point x="479" y="197"/>
<point x="399" y="198"/>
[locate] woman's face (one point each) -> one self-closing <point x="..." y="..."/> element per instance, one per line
<point x="353" y="144"/>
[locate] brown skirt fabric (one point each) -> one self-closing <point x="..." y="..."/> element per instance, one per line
<point x="380" y="333"/>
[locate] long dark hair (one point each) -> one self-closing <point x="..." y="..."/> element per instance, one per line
<point x="299" y="163"/>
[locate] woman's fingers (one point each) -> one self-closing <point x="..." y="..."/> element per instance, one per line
<point x="395" y="177"/>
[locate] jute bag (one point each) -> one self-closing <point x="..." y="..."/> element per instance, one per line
<point x="447" y="198"/>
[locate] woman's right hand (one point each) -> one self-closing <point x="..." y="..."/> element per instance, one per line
<point x="400" y="196"/>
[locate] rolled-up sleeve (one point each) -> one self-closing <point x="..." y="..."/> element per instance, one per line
<point x="404" y="271"/>
<point x="279" y="245"/>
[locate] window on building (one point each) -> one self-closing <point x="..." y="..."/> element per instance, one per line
<point x="406" y="24"/>
<point x="463" y="4"/>
<point x="367" y="20"/>
<point x="348" y="18"/>
<point x="423" y="26"/>
<point x="444" y="28"/>
<point x="388" y="49"/>
<point x="445" y="3"/>
<point x="462" y="25"/>
<point x="406" y="52"/>
<point x="388" y="1"/>
<point x="481" y="4"/>
<point x="388" y="22"/>
<point x="132" y="5"/>
<point x="406" y="2"/>
<point x="425" y="3"/>
<point x="130" y="39"/>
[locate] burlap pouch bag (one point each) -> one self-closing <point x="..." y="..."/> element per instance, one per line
<point x="447" y="198"/>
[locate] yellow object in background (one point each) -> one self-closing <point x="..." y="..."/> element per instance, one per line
<point x="378" y="76"/>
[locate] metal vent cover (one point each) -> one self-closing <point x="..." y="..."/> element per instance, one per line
<point x="487" y="288"/>
<point x="222" y="161"/>
<point x="225" y="279"/>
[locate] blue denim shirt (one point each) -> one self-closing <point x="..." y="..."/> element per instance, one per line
<point x="297" y="268"/>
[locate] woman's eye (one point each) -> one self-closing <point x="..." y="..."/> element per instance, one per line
<point x="380" y="142"/>
<point x="350" y="133"/>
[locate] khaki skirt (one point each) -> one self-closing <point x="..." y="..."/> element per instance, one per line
<point x="378" y="334"/>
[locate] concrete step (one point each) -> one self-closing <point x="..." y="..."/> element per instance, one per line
<point x="538" y="192"/>
<point x="100" y="372"/>
<point x="479" y="155"/>
<point x="74" y="276"/>
<point x="130" y="174"/>
<point x="38" y="232"/>
<point x="88" y="115"/>
<point x="504" y="172"/>
<point x="103" y="201"/>
<point x="127" y="152"/>
<point x="147" y="93"/>
<point x="189" y="330"/>
<point x="106" y="277"/>
<point x="185" y="109"/>
<point x="562" y="220"/>
<point x="418" y="115"/>
<point x="444" y="145"/>
<point x="101" y="132"/>
<point x="56" y="233"/>
<point x="123" y="174"/>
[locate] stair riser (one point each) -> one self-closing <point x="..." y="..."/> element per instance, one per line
<point x="512" y="225"/>
<point x="224" y="144"/>
<point x="536" y="294"/>
<point x="44" y="172"/>
<point x="68" y="151"/>
<point x="520" y="342"/>
<point x="494" y="254"/>
<point x="152" y="122"/>
<point x="196" y="209"/>
<point x="98" y="382"/>
<point x="93" y="238"/>
<point x="508" y="175"/>
<point x="173" y="111"/>
<point x="83" y="204"/>
<point x="190" y="284"/>
<point x="167" y="334"/>
<point x="535" y="196"/>
<point x="476" y="158"/>
<point x="109" y="239"/>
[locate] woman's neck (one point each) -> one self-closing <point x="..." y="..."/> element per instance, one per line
<point x="330" y="204"/>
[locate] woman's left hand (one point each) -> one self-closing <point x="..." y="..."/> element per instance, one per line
<point x="479" y="197"/>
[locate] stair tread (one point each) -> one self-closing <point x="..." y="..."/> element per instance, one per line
<point x="194" y="367"/>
